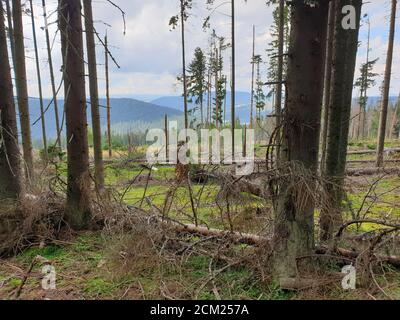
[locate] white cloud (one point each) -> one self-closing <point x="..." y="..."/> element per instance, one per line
<point x="150" y="54"/>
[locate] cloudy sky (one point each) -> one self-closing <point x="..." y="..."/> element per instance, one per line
<point x="150" y="54"/>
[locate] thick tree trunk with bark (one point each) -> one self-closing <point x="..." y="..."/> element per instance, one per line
<point x="10" y="173"/>
<point x="22" y="88"/>
<point x="294" y="220"/>
<point x="78" y="192"/>
<point x="94" y="95"/>
<point x="344" y="63"/>
<point x="386" y="88"/>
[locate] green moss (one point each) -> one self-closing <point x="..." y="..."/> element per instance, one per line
<point x="50" y="252"/>
<point x="15" y="282"/>
<point x="99" y="287"/>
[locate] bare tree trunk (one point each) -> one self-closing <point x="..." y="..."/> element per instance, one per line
<point x="363" y="106"/>
<point x="252" y="77"/>
<point x="294" y="220"/>
<point x="217" y="106"/>
<point x="357" y="128"/>
<point x="166" y="131"/>
<point x="327" y="80"/>
<point x="78" y="211"/>
<point x="108" y="99"/>
<point x="344" y="63"/>
<point x="185" y="98"/>
<point x="53" y="84"/>
<point x="22" y="88"/>
<point x="202" y="106"/>
<point x="386" y="88"/>
<point x="10" y="172"/>
<point x="94" y="95"/>
<point x="208" y="97"/>
<point x="233" y="78"/>
<point x="225" y="86"/>
<point x="39" y="79"/>
<point x="394" y="119"/>
<point x="11" y="33"/>
<point x="278" y="100"/>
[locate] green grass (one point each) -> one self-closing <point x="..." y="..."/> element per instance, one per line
<point x="88" y="267"/>
<point x="386" y="203"/>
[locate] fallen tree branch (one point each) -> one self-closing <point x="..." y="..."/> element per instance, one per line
<point x="372" y="171"/>
<point x="256" y="240"/>
<point x="392" y="150"/>
<point x="236" y="237"/>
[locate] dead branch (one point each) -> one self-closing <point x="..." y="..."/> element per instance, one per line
<point x="392" y="150"/>
<point x="373" y="171"/>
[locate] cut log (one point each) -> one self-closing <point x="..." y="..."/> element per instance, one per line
<point x="256" y="240"/>
<point x="298" y="284"/>
<point x="373" y="171"/>
<point x="236" y="237"/>
<point x="373" y="161"/>
<point x="392" y="150"/>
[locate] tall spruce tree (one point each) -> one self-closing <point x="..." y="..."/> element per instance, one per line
<point x="345" y="45"/>
<point x="197" y="82"/>
<point x="10" y="172"/>
<point x="78" y="208"/>
<point x="386" y="87"/>
<point x="295" y="206"/>
<point x="22" y="87"/>
<point x="365" y="81"/>
<point x="94" y="94"/>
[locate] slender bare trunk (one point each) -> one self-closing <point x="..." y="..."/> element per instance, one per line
<point x="327" y="81"/>
<point x="11" y="33"/>
<point x="39" y="79"/>
<point x="252" y="77"/>
<point x="108" y="99"/>
<point x="166" y="131"/>
<point x="394" y="119"/>
<point x="78" y="209"/>
<point x="386" y="88"/>
<point x="217" y="106"/>
<point x="233" y="93"/>
<point x="22" y="88"/>
<point x="94" y="95"/>
<point x="10" y="172"/>
<point x="209" y="97"/>
<point x="185" y="98"/>
<point x="53" y="84"/>
<point x="364" y="92"/>
<point x="278" y="100"/>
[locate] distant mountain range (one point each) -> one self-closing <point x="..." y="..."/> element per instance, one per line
<point x="123" y="111"/>
<point x="242" y="104"/>
<point x="132" y="114"/>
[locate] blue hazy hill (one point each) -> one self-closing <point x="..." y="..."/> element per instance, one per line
<point x="123" y="110"/>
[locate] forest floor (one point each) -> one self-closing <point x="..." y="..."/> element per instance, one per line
<point x="129" y="265"/>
